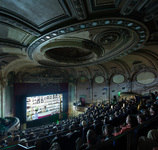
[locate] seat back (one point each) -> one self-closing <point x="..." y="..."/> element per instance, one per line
<point x="72" y="139"/>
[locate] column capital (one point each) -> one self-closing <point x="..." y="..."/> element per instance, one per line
<point x="3" y="82"/>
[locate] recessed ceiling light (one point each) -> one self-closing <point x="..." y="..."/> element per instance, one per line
<point x="94" y="23"/>
<point x="120" y="22"/>
<point x="141" y="31"/>
<point x="130" y="24"/>
<point x="54" y="34"/>
<point x="71" y="28"/>
<point x="138" y="27"/>
<point x="48" y="37"/>
<point x="62" y="31"/>
<point x="107" y="22"/>
<point x="82" y="26"/>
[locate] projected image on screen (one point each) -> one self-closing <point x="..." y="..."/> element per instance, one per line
<point x="43" y="106"/>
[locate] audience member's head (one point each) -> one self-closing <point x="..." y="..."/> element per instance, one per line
<point x="152" y="111"/>
<point x="91" y="137"/>
<point x="107" y="130"/>
<point x="55" y="146"/>
<point x="153" y="135"/>
<point x="71" y="128"/>
<point x="141" y="118"/>
<point x="40" y="135"/>
<point x="131" y="120"/>
<point x="84" y="123"/>
<point x="16" y="138"/>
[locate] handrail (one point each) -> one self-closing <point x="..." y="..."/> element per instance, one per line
<point x="30" y="147"/>
<point x="15" y="124"/>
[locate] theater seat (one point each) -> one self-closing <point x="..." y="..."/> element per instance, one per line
<point x="72" y="139"/>
<point x="63" y="142"/>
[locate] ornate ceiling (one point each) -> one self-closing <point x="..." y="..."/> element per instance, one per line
<point x="79" y="35"/>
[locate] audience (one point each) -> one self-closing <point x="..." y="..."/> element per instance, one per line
<point x="98" y="124"/>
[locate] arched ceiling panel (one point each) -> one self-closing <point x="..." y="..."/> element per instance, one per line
<point x="14" y="34"/>
<point x="135" y="59"/>
<point x="37" y="12"/>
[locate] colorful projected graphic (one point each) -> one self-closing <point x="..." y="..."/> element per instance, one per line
<point x="43" y="106"/>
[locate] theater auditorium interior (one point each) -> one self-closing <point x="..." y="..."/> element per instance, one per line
<point x="78" y="74"/>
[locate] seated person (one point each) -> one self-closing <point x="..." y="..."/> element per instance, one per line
<point x="31" y="136"/>
<point x="55" y="146"/>
<point x="149" y="142"/>
<point x="145" y="112"/>
<point x="141" y="118"/>
<point x="107" y="132"/>
<point x="152" y="111"/>
<point x="84" y="130"/>
<point x="36" y="114"/>
<point x="45" y="109"/>
<point x="3" y="143"/>
<point x="131" y="122"/>
<point x="145" y="128"/>
<point x="91" y="138"/>
<point x="70" y="131"/>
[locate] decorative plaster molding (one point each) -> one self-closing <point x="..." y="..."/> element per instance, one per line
<point x="79" y="9"/>
<point x="12" y="44"/>
<point x="129" y="7"/>
<point x="17" y="24"/>
<point x="131" y="33"/>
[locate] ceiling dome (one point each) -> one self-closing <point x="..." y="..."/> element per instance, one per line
<point x="103" y="40"/>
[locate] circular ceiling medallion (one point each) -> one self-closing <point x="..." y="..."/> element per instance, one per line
<point x="145" y="77"/>
<point x="118" y="79"/>
<point x="99" y="79"/>
<point x="101" y="40"/>
<point x="107" y="37"/>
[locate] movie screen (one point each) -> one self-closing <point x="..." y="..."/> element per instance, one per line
<point x="42" y="106"/>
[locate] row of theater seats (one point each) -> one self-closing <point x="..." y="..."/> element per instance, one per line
<point x="125" y="141"/>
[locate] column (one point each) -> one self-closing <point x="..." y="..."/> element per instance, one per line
<point x="72" y="98"/>
<point x="107" y="83"/>
<point x="3" y="84"/>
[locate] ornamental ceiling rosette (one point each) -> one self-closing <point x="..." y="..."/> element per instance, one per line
<point x="88" y="43"/>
